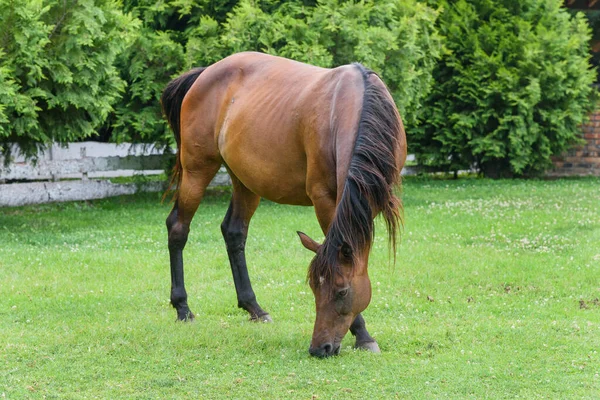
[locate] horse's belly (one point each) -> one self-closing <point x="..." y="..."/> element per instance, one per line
<point x="272" y="167"/>
<point x="275" y="182"/>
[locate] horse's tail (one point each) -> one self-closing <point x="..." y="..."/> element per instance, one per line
<point x="171" y="100"/>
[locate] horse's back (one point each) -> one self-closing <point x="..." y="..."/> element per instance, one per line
<point x="274" y="122"/>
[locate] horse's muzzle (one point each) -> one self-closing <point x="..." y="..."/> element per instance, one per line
<point x="325" y="350"/>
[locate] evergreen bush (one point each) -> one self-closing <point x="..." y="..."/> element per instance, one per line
<point x="58" y="79"/>
<point x="511" y="90"/>
<point x="395" y="38"/>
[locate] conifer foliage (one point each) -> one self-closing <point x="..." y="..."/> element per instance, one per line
<point x="70" y="69"/>
<point x="511" y="90"/>
<point x="397" y="38"/>
<point x="58" y="78"/>
<point x="498" y="85"/>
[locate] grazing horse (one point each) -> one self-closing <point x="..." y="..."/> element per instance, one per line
<point x="294" y="134"/>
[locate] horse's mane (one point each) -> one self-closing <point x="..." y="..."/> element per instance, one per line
<point x="369" y="188"/>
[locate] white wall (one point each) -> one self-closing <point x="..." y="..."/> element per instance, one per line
<point x="44" y="181"/>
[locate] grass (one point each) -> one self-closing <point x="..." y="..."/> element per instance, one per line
<point x="494" y="295"/>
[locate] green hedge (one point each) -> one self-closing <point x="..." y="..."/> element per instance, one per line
<point x="70" y="69"/>
<point x="511" y="90"/>
<point x="58" y="78"/>
<point x="396" y="38"/>
<point x="498" y="85"/>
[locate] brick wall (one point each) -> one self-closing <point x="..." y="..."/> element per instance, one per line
<point x="585" y="159"/>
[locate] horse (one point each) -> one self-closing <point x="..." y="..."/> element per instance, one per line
<point x="294" y="134"/>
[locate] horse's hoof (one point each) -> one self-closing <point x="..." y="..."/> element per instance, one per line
<point x="266" y="318"/>
<point x="373" y="347"/>
<point x="263" y="318"/>
<point x="186" y="317"/>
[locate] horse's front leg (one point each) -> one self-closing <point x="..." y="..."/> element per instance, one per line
<point x="235" y="231"/>
<point x="363" y="339"/>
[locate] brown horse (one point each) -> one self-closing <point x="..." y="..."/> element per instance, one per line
<point x="294" y="134"/>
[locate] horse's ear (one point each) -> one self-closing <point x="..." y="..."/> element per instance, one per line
<point x="308" y="242"/>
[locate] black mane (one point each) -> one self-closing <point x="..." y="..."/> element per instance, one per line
<point x="369" y="188"/>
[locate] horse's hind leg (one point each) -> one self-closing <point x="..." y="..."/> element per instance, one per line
<point x="178" y="222"/>
<point x="235" y="231"/>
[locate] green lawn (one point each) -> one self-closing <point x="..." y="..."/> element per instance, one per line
<point x="494" y="295"/>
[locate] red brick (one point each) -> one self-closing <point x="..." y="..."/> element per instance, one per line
<point x="583" y="159"/>
<point x="589" y="160"/>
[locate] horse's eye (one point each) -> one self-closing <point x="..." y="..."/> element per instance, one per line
<point x="346" y="251"/>
<point x="342" y="293"/>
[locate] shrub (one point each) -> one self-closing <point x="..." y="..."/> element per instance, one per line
<point x="58" y="80"/>
<point x="147" y="66"/>
<point x="511" y="90"/>
<point x="396" y="38"/>
<point x="70" y="69"/>
<point x="158" y="55"/>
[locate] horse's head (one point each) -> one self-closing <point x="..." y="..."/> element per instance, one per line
<point x="339" y="280"/>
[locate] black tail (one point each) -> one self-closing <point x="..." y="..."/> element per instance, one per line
<point x="171" y="100"/>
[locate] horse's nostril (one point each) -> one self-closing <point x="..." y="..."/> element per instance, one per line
<point x="324" y="350"/>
